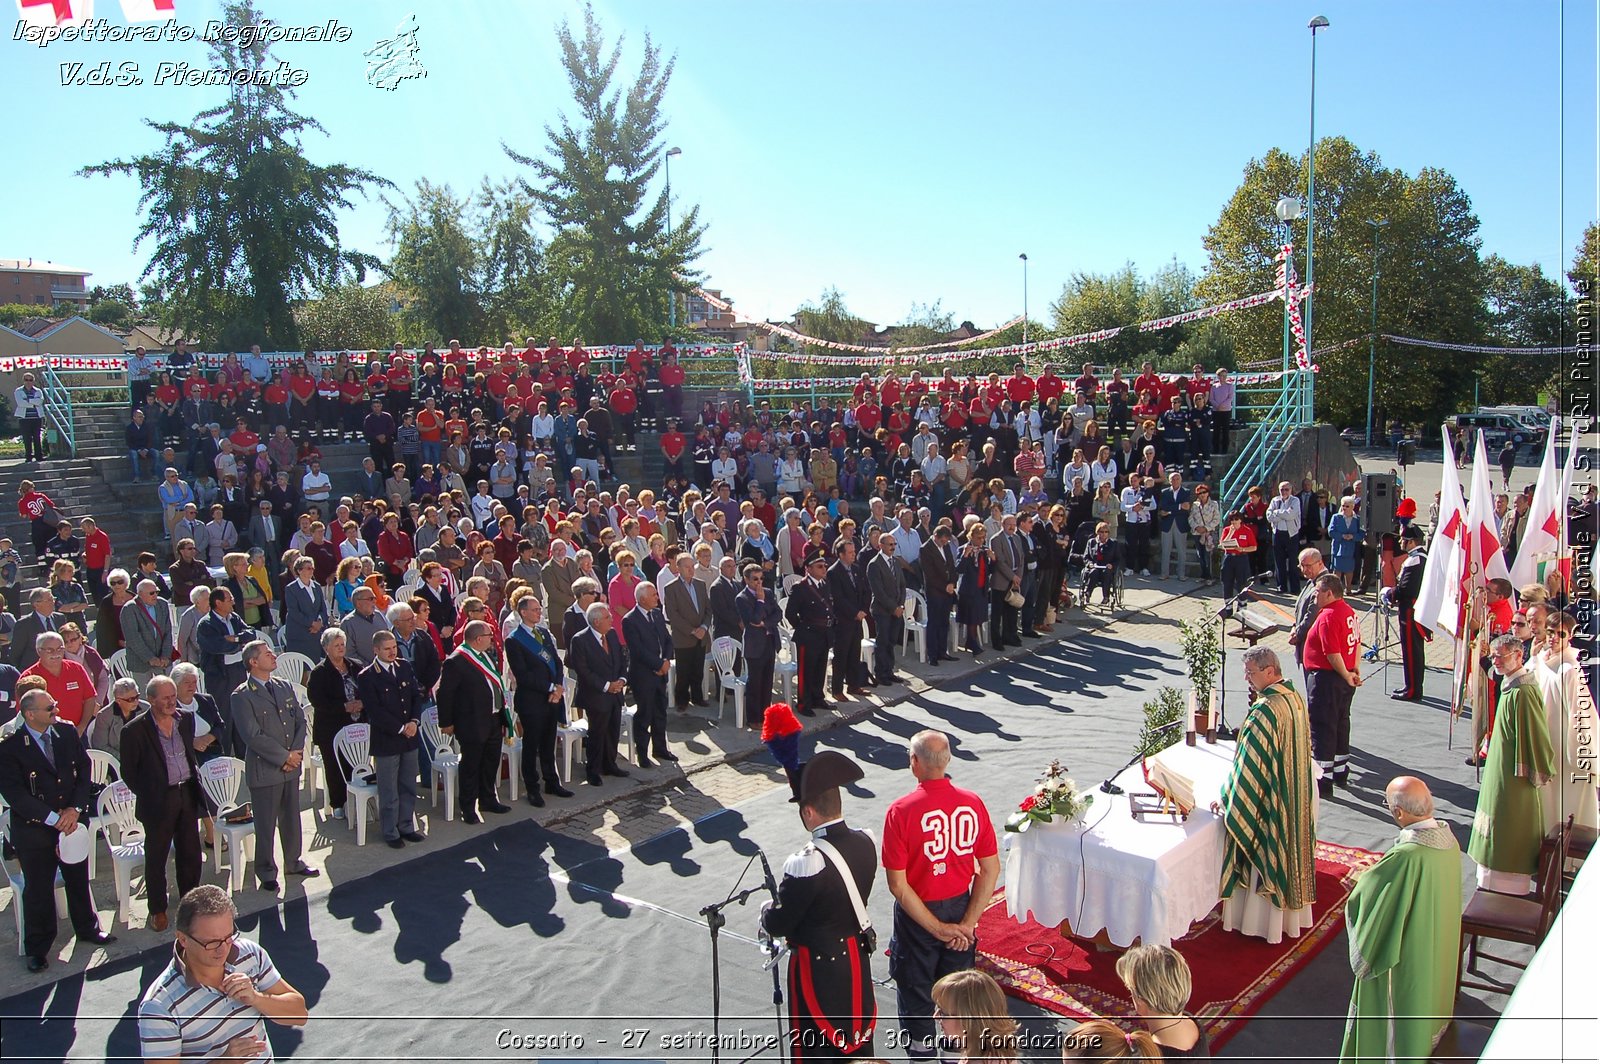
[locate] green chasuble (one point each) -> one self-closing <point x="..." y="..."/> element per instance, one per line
<point x="1266" y="803"/>
<point x="1404" y="923"/>
<point x="1509" y="824"/>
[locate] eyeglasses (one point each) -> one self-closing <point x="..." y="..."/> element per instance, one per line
<point x="214" y="943"/>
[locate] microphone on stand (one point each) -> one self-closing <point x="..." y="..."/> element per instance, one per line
<point x="774" y="950"/>
<point x="1108" y="787"/>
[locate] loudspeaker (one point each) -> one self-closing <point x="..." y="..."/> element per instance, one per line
<point x="1377" y="508"/>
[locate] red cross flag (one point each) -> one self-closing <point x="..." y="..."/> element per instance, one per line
<point x="1540" y="548"/>
<point x="55" y="12"/>
<point x="1440" y="602"/>
<point x="148" y="10"/>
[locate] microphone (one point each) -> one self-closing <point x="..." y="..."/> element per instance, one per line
<point x="773" y="949"/>
<point x="766" y="870"/>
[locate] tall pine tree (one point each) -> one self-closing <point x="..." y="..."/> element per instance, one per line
<point x="612" y="261"/>
<point x="241" y="223"/>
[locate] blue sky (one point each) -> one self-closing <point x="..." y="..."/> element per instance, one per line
<point x="903" y="152"/>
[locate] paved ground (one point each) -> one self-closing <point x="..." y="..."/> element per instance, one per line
<point x="427" y="954"/>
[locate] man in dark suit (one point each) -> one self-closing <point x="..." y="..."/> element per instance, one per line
<point x="541" y="701"/>
<point x="268" y="530"/>
<point x="600" y="664"/>
<point x="472" y="707"/>
<point x="688" y="605"/>
<point x="938" y="564"/>
<point x="848" y="590"/>
<point x="1403" y="596"/>
<point x="830" y="945"/>
<point x="222" y="636"/>
<point x="724" y="591"/>
<point x="649" y="661"/>
<point x="810" y="614"/>
<point x="42" y="619"/>
<point x="886" y="582"/>
<point x="1006" y="577"/>
<point x="392" y="700"/>
<point x="44" y="779"/>
<point x="758" y="611"/>
<point x="160" y="765"/>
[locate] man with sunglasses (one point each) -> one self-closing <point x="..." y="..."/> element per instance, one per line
<point x="212" y="999"/>
<point x="44" y="780"/>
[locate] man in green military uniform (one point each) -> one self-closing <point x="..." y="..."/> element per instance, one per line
<point x="1404" y="924"/>
<point x="1268" y="853"/>
<point x="1509" y="825"/>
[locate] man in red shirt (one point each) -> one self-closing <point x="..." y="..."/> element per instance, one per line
<point x="96" y="556"/>
<point x="399" y="378"/>
<point x="244" y="441"/>
<point x="942" y="862"/>
<point x="868" y="417"/>
<point x="624" y="403"/>
<point x="1049" y="385"/>
<point x="1087" y="381"/>
<point x="1147" y="381"/>
<point x="1332" y="676"/>
<point x="1199" y="384"/>
<point x="68" y="682"/>
<point x="1020" y="388"/>
<point x="673" y="444"/>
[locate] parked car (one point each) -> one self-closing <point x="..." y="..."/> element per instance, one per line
<point x="1497" y="427"/>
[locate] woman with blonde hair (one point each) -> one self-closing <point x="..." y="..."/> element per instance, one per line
<point x="971" y="1013"/>
<point x="1158" y="980"/>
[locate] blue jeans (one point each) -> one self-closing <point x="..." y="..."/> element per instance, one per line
<point x="133" y="459"/>
<point x="432" y="452"/>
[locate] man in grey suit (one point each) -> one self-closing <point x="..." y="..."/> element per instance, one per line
<point x="28" y="628"/>
<point x="1008" y="561"/>
<point x="689" y="616"/>
<point x="305" y="611"/>
<point x="189" y="526"/>
<point x="1305" y="604"/>
<point x="267" y="530"/>
<point x="363" y="622"/>
<point x="272" y="723"/>
<point x="147" y="633"/>
<point x="886" y="582"/>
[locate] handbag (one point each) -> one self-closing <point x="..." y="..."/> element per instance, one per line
<point x="1014" y="599"/>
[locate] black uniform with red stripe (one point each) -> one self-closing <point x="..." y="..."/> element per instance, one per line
<point x="1407" y="586"/>
<point x="810" y="615"/>
<point x="832" y="1011"/>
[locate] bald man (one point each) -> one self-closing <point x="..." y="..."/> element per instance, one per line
<point x="1404" y="924"/>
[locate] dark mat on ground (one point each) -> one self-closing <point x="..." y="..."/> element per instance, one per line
<point x="523" y="934"/>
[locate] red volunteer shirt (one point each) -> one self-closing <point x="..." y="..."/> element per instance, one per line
<point x="1335" y="633"/>
<point x="936" y="835"/>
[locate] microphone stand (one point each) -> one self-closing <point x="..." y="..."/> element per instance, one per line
<point x="1227" y="610"/>
<point x="715" y="921"/>
<point x="1109" y="787"/>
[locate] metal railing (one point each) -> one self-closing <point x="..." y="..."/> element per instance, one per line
<point x="58" y="409"/>
<point x="1290" y="411"/>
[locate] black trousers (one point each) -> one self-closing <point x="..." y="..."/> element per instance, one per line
<point x="650" y="714"/>
<point x="1097" y="576"/>
<point x="1328" y="700"/>
<point x="601" y="753"/>
<point x="39" y="914"/>
<point x="33" y="439"/>
<point x="890" y="634"/>
<point x="812" y="649"/>
<point x="939" y="607"/>
<point x="1411" y="649"/>
<point x="338" y="791"/>
<point x="1002" y="621"/>
<point x="176" y="826"/>
<point x="540" y="721"/>
<point x="757" y="689"/>
<point x="1138" y="545"/>
<point x="846" y="657"/>
<point x="480" y="772"/>
<point x="917" y="960"/>
<point x="689" y="684"/>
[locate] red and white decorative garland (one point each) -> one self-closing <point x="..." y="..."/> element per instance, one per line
<point x="103" y="363"/>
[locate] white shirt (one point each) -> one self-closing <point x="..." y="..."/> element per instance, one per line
<point x="1132" y="497"/>
<point x="723" y="471"/>
<point x="28" y="405"/>
<point x="1102" y="474"/>
<point x="316" y="486"/>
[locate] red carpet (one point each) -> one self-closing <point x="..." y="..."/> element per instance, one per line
<point x="1233" y="975"/>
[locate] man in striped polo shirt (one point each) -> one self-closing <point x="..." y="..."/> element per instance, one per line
<point x="215" y="996"/>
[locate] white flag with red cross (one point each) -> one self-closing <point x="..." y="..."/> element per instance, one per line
<point x="55" y="12"/>
<point x="148" y="10"/>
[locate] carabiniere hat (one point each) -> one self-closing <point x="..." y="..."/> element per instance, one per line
<point x="825" y="772"/>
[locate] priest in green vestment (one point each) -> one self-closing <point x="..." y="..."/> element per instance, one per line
<point x="1404" y="923"/>
<point x="1509" y="825"/>
<point x="1268" y="850"/>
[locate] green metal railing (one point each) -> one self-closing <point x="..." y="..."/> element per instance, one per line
<point x="1291" y="410"/>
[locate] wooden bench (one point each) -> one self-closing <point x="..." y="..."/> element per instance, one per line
<point x="1253" y="627"/>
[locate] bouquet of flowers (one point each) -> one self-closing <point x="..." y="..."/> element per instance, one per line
<point x="1055" y="797"/>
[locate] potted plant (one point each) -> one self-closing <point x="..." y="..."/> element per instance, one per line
<point x="1201" y="653"/>
<point x="1160" y="714"/>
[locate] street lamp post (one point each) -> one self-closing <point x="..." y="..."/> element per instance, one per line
<point x="1378" y="225"/>
<point x="672" y="297"/>
<point x="1024" y="258"/>
<point x="1287" y="210"/>
<point x="1318" y="23"/>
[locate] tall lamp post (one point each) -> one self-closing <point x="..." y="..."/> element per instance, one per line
<point x="1024" y="258"/>
<point x="672" y="296"/>
<point x="1318" y="23"/>
<point x="1287" y="210"/>
<point x="1378" y="225"/>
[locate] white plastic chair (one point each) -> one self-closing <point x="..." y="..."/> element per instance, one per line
<point x="511" y="760"/>
<point x="869" y="646"/>
<point x="221" y="778"/>
<point x="103" y="768"/>
<point x="117" y="664"/>
<point x="916" y="624"/>
<point x="114" y="811"/>
<point x="293" y="667"/>
<point x="575" y="731"/>
<point x="353" y="750"/>
<point x="725" y="654"/>
<point x="446" y="760"/>
<point x="787" y="665"/>
<point x="14" y="877"/>
<point x="405" y="592"/>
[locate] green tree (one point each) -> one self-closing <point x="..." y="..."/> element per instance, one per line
<point x="1091" y="302"/>
<point x="516" y="304"/>
<point x="1526" y="308"/>
<point x="351" y="317"/>
<point x="612" y="260"/>
<point x="112" y="313"/>
<point x="242" y="224"/>
<point x="925" y="324"/>
<point x="121" y="293"/>
<point x="435" y="266"/>
<point x="1431" y="278"/>
<point x="1585" y="272"/>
